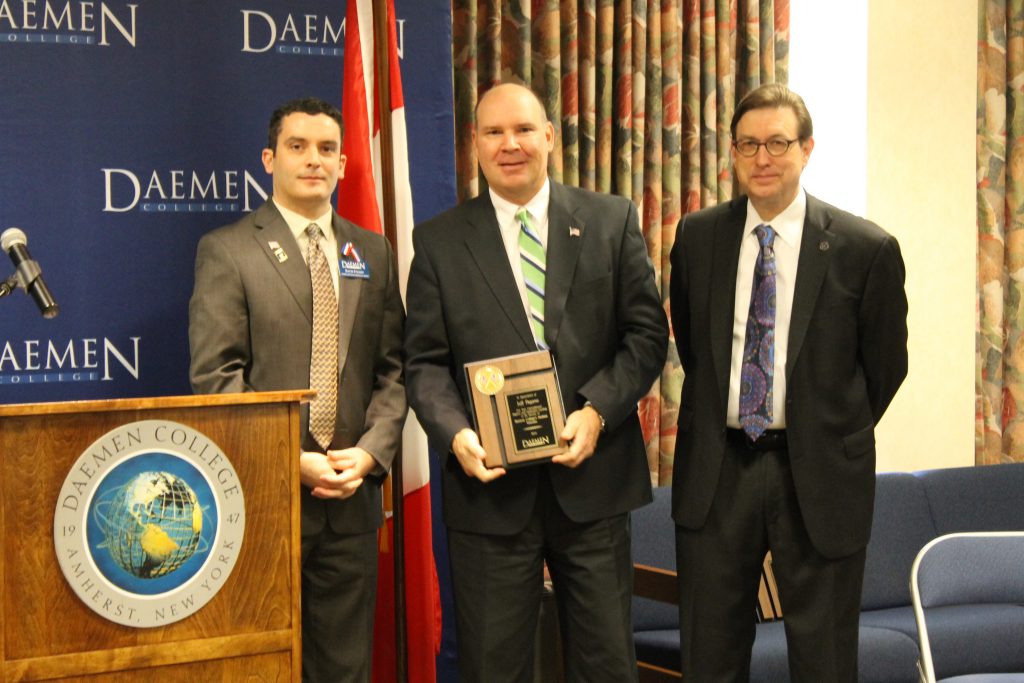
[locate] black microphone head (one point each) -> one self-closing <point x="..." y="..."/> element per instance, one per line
<point x="28" y="273"/>
<point x="12" y="236"/>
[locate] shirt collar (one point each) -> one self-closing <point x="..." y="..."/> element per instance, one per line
<point x="298" y="223"/>
<point x="537" y="206"/>
<point x="788" y="225"/>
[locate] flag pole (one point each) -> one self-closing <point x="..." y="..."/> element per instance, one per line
<point x="382" y="72"/>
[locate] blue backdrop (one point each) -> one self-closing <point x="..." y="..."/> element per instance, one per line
<point x="129" y="129"/>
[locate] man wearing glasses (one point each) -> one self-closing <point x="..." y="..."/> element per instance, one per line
<point x="790" y="320"/>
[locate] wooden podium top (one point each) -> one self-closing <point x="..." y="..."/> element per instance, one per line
<point x="69" y="626"/>
<point x="195" y="401"/>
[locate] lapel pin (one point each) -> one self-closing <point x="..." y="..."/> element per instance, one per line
<point x="823" y="246"/>
<point x="278" y="251"/>
<point x="574" y="231"/>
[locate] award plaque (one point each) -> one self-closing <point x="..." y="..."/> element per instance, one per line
<point x="517" y="407"/>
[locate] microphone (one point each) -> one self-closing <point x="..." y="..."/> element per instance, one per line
<point x="30" y="276"/>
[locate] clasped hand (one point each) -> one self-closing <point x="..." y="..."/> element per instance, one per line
<point x="335" y="474"/>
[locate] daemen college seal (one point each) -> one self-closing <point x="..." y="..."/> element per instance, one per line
<point x="149" y="523"/>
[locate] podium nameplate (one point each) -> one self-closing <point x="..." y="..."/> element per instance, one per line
<point x="517" y="408"/>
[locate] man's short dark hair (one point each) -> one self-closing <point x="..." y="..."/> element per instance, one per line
<point x="303" y="105"/>
<point x="775" y="96"/>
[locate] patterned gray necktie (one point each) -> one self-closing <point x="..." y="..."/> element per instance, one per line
<point x="323" y="365"/>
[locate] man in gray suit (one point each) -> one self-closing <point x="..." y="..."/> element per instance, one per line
<point x="603" y="321"/>
<point x="251" y="328"/>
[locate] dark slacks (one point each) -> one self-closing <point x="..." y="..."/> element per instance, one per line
<point x="498" y="580"/>
<point x="339" y="592"/>
<point x="755" y="509"/>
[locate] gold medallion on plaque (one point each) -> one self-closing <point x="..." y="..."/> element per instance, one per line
<point x="489" y="380"/>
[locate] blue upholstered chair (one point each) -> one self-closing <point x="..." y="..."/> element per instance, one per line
<point x="974" y="583"/>
<point x="656" y="592"/>
<point x="911" y="509"/>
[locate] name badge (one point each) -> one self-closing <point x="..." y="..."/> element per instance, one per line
<point x="351" y="263"/>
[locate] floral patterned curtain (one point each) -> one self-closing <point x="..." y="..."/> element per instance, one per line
<point x="999" y="367"/>
<point x="641" y="93"/>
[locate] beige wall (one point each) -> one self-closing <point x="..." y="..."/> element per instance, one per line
<point x="921" y="92"/>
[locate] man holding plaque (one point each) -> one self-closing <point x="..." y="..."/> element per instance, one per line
<point x="534" y="265"/>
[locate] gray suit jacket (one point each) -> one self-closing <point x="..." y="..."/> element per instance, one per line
<point x="847" y="357"/>
<point x="604" y="322"/>
<point x="250" y="329"/>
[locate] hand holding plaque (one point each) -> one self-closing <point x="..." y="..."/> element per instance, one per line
<point x="517" y="407"/>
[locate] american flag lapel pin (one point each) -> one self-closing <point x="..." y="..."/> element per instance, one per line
<point x="574" y="231"/>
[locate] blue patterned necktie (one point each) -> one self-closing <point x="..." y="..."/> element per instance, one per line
<point x="533" y="261"/>
<point x="759" y="345"/>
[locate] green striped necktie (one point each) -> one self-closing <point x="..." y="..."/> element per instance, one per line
<point x="532" y="260"/>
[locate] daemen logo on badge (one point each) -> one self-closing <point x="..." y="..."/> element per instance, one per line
<point x="351" y="264"/>
<point x="180" y="191"/>
<point x="45" y="361"/>
<point x="304" y="34"/>
<point x="149" y="523"/>
<point x="67" y="23"/>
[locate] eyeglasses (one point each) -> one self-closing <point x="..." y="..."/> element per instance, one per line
<point x="775" y="147"/>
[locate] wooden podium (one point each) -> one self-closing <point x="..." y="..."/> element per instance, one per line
<point x="248" y="631"/>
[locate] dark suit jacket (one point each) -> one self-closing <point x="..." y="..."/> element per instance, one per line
<point x="847" y="356"/>
<point x="250" y="329"/>
<point x="604" y="323"/>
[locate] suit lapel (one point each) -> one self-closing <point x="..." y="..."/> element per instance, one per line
<point x="815" y="255"/>
<point x="349" y="288"/>
<point x="488" y="251"/>
<point x="271" y="228"/>
<point x="725" y="254"/>
<point x="563" y="252"/>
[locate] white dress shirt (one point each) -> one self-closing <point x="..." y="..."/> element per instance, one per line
<point x="298" y="224"/>
<point x="789" y="228"/>
<point x="505" y="211"/>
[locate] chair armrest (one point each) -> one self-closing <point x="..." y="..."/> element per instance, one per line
<point x="655" y="583"/>
<point x="649" y="673"/>
<point x="662" y="585"/>
<point x="768" y="606"/>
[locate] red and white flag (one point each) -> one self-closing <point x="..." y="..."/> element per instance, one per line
<point x="360" y="200"/>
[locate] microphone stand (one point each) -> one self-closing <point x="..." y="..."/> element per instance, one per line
<point x="8" y="285"/>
